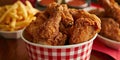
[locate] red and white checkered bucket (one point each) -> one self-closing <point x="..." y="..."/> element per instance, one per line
<point x="79" y="51"/>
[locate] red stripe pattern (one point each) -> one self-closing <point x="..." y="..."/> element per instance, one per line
<point x="69" y="53"/>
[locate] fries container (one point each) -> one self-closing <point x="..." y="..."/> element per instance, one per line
<point x="109" y="42"/>
<point x="11" y="35"/>
<point x="79" y="51"/>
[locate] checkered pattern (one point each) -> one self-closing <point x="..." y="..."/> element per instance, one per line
<point x="69" y="53"/>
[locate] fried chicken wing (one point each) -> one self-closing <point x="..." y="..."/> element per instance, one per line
<point x="112" y="9"/>
<point x="110" y="29"/>
<point x="84" y="28"/>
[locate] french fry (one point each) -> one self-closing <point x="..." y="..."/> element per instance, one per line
<point x="13" y="14"/>
<point x="16" y="16"/>
<point x="14" y="6"/>
<point x="29" y="6"/>
<point x="26" y="22"/>
<point x="22" y="9"/>
<point x="13" y="23"/>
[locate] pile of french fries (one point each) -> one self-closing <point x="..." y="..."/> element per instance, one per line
<point x="17" y="16"/>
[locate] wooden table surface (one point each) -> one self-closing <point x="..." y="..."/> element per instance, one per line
<point x="15" y="49"/>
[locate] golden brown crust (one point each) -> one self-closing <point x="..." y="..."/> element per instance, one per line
<point x="110" y="29"/>
<point x="84" y="28"/>
<point x="110" y="19"/>
<point x="59" y="25"/>
<point x="45" y="30"/>
<point x="112" y="9"/>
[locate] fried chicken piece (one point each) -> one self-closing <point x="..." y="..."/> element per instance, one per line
<point x="49" y="29"/>
<point x="35" y="24"/>
<point x="84" y="28"/>
<point x="67" y="19"/>
<point x="112" y="9"/>
<point x="47" y="32"/>
<point x="110" y="29"/>
<point x="99" y="12"/>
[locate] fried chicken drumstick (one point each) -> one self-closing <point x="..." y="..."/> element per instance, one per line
<point x="48" y="33"/>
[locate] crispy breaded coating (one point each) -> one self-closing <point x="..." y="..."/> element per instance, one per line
<point x="67" y="18"/>
<point x="84" y="28"/>
<point x="47" y="30"/>
<point x="58" y="25"/>
<point x="110" y="29"/>
<point x="112" y="9"/>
